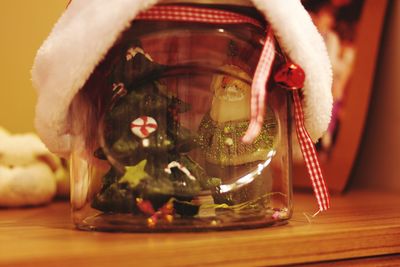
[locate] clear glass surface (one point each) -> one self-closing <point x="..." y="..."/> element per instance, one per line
<point x="157" y="135"/>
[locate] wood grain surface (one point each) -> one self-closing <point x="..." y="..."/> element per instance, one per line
<point x="382" y="261"/>
<point x="359" y="224"/>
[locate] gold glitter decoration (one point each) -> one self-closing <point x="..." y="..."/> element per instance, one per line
<point x="229" y="141"/>
<point x="213" y="138"/>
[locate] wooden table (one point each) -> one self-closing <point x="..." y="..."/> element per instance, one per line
<point x="360" y="224"/>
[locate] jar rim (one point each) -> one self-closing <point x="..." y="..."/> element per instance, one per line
<point x="246" y="3"/>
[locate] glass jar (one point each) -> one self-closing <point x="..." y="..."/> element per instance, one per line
<point x="158" y="127"/>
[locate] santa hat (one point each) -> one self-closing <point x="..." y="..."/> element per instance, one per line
<point x="88" y="29"/>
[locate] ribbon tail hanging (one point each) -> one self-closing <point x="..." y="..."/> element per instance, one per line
<point x="258" y="88"/>
<point x="310" y="155"/>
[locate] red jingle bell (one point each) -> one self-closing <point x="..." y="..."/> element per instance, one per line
<point x="290" y="76"/>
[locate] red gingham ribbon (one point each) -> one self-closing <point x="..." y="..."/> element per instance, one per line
<point x="195" y="14"/>
<point x="310" y="155"/>
<point x="259" y="92"/>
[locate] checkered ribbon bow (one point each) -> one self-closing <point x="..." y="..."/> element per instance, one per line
<point x="261" y="76"/>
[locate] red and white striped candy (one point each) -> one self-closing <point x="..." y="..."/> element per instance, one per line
<point x="144" y="126"/>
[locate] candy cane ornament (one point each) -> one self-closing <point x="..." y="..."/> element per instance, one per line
<point x="118" y="90"/>
<point x="175" y="164"/>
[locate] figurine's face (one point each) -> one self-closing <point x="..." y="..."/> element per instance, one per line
<point x="231" y="101"/>
<point x="231" y="90"/>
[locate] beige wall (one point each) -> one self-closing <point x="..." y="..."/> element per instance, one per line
<point x="24" y="24"/>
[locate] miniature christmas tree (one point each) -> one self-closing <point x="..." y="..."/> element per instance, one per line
<point x="142" y="131"/>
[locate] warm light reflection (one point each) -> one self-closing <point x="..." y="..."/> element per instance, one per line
<point x="248" y="178"/>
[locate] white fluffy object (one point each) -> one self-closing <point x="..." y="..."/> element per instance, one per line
<point x="26" y="186"/>
<point x="25" y="179"/>
<point x="89" y="28"/>
<point x="20" y="149"/>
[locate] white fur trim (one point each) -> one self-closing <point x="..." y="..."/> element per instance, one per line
<point x="88" y="29"/>
<point x="78" y="42"/>
<point x="300" y="39"/>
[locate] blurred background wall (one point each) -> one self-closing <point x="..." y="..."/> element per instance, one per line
<point x="23" y="27"/>
<point x="378" y="163"/>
